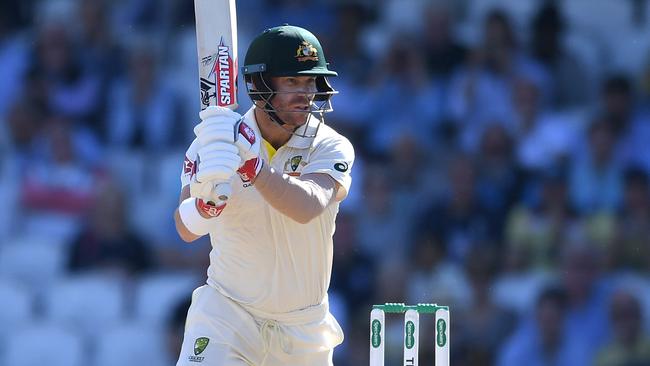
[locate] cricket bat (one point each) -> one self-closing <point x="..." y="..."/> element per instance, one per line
<point x="216" y="43"/>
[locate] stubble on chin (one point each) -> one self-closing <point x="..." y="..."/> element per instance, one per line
<point x="294" y="120"/>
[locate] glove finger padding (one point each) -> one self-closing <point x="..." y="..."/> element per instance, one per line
<point x="217" y="111"/>
<point x="217" y="161"/>
<point x="217" y="147"/>
<point x="220" y="168"/>
<point x="217" y="124"/>
<point x="210" y="131"/>
<point x="214" y="173"/>
<point x="221" y="156"/>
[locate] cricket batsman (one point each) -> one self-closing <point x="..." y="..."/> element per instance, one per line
<point x="265" y="302"/>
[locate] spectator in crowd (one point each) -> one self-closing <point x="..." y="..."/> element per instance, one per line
<point x="499" y="180"/>
<point x="353" y="283"/>
<point x="346" y="41"/>
<point x="596" y="178"/>
<point x="631" y="249"/>
<point x="483" y="325"/>
<point x="542" y="339"/>
<point x="535" y="229"/>
<point x="107" y="242"/>
<point x="414" y="179"/>
<point x="22" y="125"/>
<point x="544" y="139"/>
<point x="353" y="272"/>
<point x="570" y="83"/>
<point x="62" y="175"/>
<point x="141" y="108"/>
<point x="410" y="100"/>
<point x="630" y="123"/>
<point x="14" y="56"/>
<point x="101" y="56"/>
<point x="433" y="275"/>
<point x="587" y="290"/>
<point x="631" y="345"/>
<point x="70" y="90"/>
<point x="443" y="52"/>
<point x="458" y="218"/>
<point x="295" y="12"/>
<point x="381" y="228"/>
<point x="143" y="15"/>
<point x="353" y="62"/>
<point x="644" y="83"/>
<point x="481" y="90"/>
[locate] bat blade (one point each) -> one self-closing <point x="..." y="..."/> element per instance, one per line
<point x="216" y="44"/>
<point x="216" y="41"/>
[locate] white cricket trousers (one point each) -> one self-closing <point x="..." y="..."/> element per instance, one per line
<point x="220" y="332"/>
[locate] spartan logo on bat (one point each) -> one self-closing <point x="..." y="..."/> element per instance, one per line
<point x="223" y="72"/>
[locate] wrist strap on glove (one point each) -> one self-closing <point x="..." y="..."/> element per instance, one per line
<point x="209" y="208"/>
<point x="188" y="210"/>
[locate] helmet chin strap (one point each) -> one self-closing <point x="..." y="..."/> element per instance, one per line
<point x="270" y="111"/>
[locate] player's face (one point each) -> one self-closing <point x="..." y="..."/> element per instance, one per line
<point x="293" y="99"/>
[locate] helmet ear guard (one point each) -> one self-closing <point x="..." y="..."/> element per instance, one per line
<point x="259" y="90"/>
<point x="257" y="87"/>
<point x="325" y="90"/>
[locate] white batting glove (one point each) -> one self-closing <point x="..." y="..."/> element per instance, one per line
<point x="217" y="124"/>
<point x="217" y="163"/>
<point x="209" y="191"/>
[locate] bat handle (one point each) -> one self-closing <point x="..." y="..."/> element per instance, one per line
<point x="221" y="192"/>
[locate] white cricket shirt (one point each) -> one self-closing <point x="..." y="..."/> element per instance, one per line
<point x="262" y="258"/>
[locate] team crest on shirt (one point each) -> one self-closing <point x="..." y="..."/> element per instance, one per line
<point x="199" y="346"/>
<point x="292" y="164"/>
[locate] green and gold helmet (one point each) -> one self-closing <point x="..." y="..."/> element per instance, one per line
<point x="287" y="51"/>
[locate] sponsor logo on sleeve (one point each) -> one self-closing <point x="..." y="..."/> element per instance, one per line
<point x="341" y="167"/>
<point x="189" y="167"/>
<point x="247" y="132"/>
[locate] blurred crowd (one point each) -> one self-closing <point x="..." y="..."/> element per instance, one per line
<point x="503" y="169"/>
